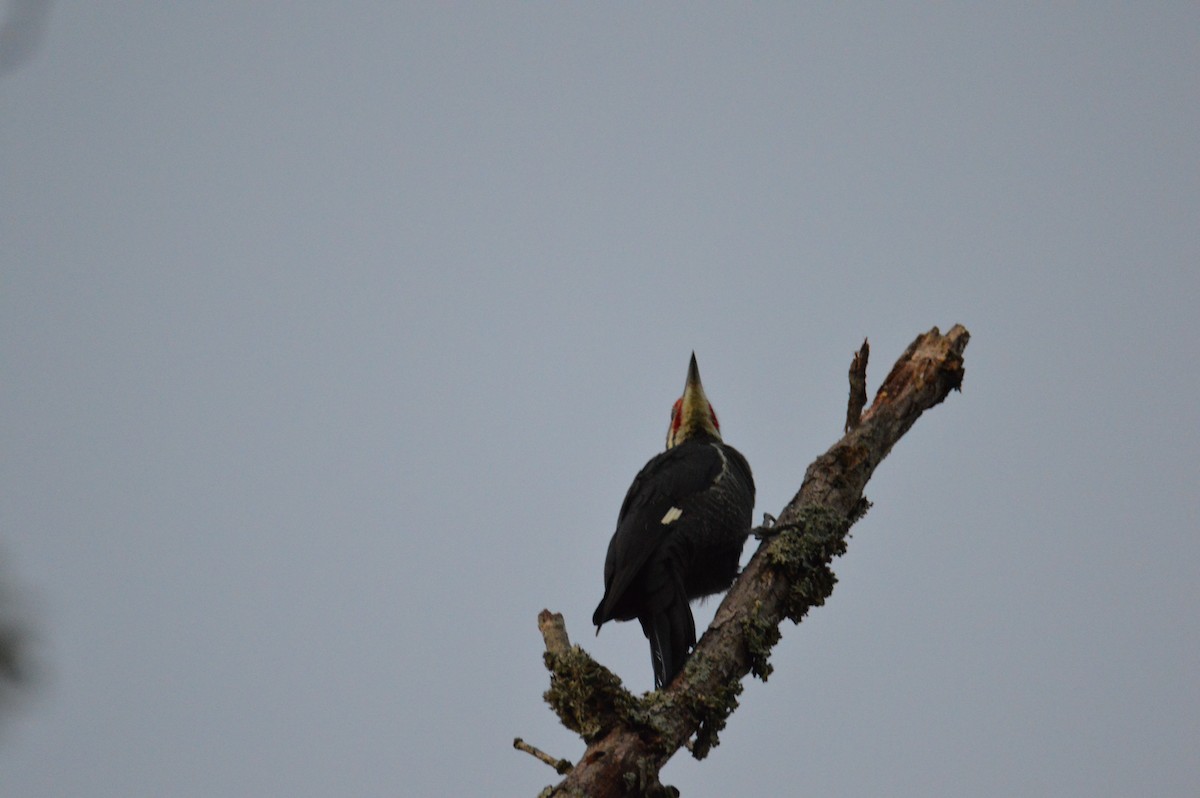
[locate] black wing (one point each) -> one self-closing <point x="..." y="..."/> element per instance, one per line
<point x="667" y="481"/>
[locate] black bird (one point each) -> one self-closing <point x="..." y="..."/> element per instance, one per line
<point x="680" y="532"/>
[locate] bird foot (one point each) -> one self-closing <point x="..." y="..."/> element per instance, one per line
<point x="771" y="528"/>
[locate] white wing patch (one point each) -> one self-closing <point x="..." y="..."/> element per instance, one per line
<point x="672" y="516"/>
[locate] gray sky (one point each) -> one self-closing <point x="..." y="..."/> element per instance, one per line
<point x="331" y="339"/>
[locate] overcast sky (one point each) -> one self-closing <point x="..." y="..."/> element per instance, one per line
<point x="330" y="340"/>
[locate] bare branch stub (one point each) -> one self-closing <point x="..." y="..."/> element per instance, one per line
<point x="858" y="386"/>
<point x="561" y="766"/>
<point x="788" y="574"/>
<point x="554" y="632"/>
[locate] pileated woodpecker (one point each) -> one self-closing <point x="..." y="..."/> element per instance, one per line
<point x="680" y="532"/>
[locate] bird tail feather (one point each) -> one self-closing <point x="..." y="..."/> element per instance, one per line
<point x="671" y="631"/>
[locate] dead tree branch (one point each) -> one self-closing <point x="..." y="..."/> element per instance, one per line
<point x="629" y="739"/>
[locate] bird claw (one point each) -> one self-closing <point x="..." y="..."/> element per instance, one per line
<point x="767" y="529"/>
<point x="772" y="528"/>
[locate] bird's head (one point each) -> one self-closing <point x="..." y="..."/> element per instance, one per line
<point x="692" y="414"/>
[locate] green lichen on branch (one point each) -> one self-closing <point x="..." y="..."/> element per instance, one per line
<point x="761" y="634"/>
<point x="803" y="552"/>
<point x="713" y="710"/>
<point x="646" y="715"/>
<point x="588" y="698"/>
<point x="658" y="714"/>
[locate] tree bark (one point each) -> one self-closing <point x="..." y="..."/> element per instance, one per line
<point x="629" y="739"/>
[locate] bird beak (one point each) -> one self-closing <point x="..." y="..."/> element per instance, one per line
<point x="695" y="413"/>
<point x="693" y="378"/>
<point x="695" y="403"/>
